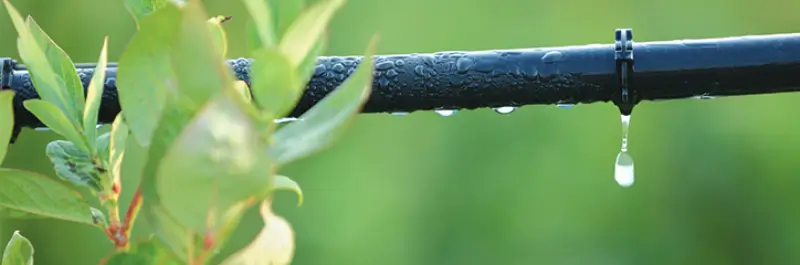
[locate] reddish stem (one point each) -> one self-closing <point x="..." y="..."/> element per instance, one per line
<point x="133" y="209"/>
<point x="120" y="233"/>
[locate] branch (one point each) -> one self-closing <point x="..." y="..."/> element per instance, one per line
<point x="746" y="65"/>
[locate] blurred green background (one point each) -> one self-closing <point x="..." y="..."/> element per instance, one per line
<point x="717" y="181"/>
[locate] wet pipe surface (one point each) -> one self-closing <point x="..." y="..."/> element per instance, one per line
<point x="506" y="79"/>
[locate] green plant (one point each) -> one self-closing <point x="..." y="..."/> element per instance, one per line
<point x="208" y="145"/>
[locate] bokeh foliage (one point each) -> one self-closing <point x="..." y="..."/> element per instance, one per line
<point x="716" y="180"/>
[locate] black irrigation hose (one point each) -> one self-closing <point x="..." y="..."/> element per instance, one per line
<point x="744" y="65"/>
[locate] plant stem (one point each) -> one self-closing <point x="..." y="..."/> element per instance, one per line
<point x="133" y="211"/>
<point x="109" y="198"/>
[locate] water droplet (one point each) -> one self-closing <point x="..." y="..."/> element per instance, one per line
<point x="446" y="112"/>
<point x="623" y="170"/>
<point x="486" y="63"/>
<point x="419" y="70"/>
<point x="399" y="113"/>
<point x="505" y="110"/>
<point x="319" y="70"/>
<point x="383" y="82"/>
<point x="565" y="106"/>
<point x="463" y="64"/>
<point x="338" y="68"/>
<point x="623" y="167"/>
<point x="626" y="124"/>
<point x="41" y="129"/>
<point x="391" y="73"/>
<point x="384" y="65"/>
<point x="427" y="59"/>
<point x="704" y="96"/>
<point x="553" y="57"/>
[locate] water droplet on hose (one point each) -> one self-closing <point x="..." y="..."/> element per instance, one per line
<point x="505" y="110"/>
<point x="704" y="96"/>
<point x="384" y="65"/>
<point x="383" y="82"/>
<point x="565" y="106"/>
<point x="445" y="112"/>
<point x="553" y="57"/>
<point x="463" y="64"/>
<point x="419" y="70"/>
<point x="338" y="68"/>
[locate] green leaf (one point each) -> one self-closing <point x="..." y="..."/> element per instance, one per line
<point x="214" y="164"/>
<point x="103" y="144"/>
<point x="192" y="56"/>
<point x="14" y="214"/>
<point x="165" y="226"/>
<point x="230" y="221"/>
<point x="6" y="121"/>
<point x="47" y="84"/>
<point x="55" y="120"/>
<point x="218" y="35"/>
<point x="242" y="88"/>
<point x="178" y="239"/>
<point x="141" y="8"/>
<point x="274" y="245"/>
<point x="175" y="117"/>
<point x="285" y="183"/>
<point x="144" y="75"/>
<point x="73" y="165"/>
<point x="253" y="39"/>
<point x="97" y="215"/>
<point x="321" y="125"/>
<point x="63" y="66"/>
<point x="119" y="138"/>
<point x="200" y="68"/>
<point x="149" y="252"/>
<point x="309" y="63"/>
<point x="284" y="12"/>
<point x="94" y="96"/>
<point x="37" y="194"/>
<point x="262" y="22"/>
<point x="302" y="35"/>
<point x="275" y="85"/>
<point x="19" y="251"/>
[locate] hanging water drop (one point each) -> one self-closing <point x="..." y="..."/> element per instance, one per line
<point x="505" y="110"/>
<point x="623" y="167"/>
<point x="623" y="170"/>
<point x="445" y="112"/>
<point x="399" y="113"/>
